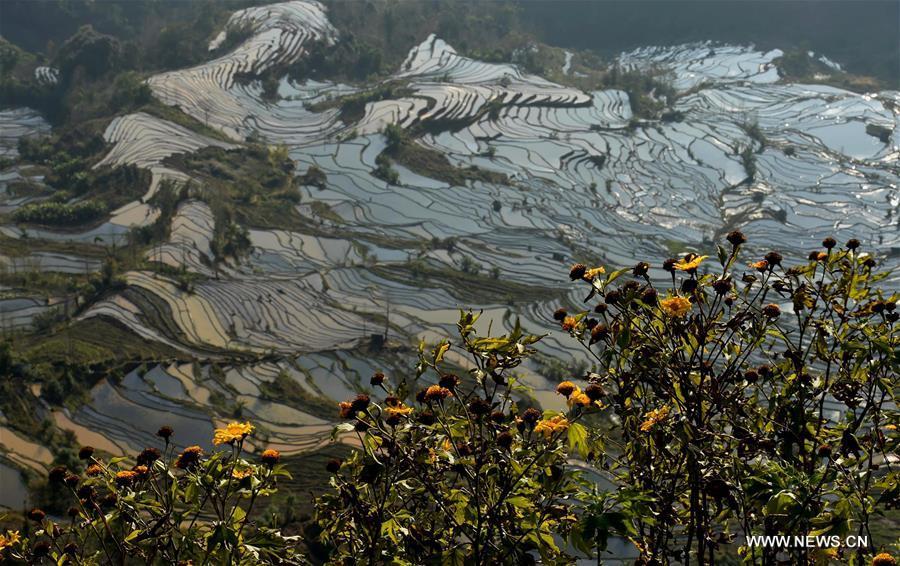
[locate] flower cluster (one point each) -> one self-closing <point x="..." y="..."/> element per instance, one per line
<point x="720" y="376"/>
<point x="173" y="503"/>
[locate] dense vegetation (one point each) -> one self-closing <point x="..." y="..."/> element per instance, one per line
<point x="719" y="382"/>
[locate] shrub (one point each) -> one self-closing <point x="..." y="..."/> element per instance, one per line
<point x="725" y="383"/>
<point x="461" y="474"/>
<point x="165" y="506"/>
<point x="59" y="214"/>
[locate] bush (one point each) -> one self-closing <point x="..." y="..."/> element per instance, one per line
<point x="59" y="214"/>
<point x="722" y="383"/>
<point x="163" y="507"/>
<point x="459" y="475"/>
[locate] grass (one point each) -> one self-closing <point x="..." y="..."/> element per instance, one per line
<point x="468" y="288"/>
<point x="285" y="389"/>
<point x="435" y="165"/>
<point x="92" y="341"/>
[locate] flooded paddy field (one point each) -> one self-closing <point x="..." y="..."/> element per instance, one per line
<point x="283" y="333"/>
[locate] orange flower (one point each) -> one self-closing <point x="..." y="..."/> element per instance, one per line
<point x="569" y="323"/>
<point x="270" y="457"/>
<point x="9" y="539"/>
<point x="548" y="427"/>
<point x="760" y="265"/>
<point x="93" y="470"/>
<point x="654" y="417"/>
<point x="690" y="262"/>
<point x="884" y="559"/>
<point x="437" y="393"/>
<point x="231" y="433"/>
<point x="125" y="478"/>
<point x="675" y="307"/>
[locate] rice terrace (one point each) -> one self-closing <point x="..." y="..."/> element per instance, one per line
<point x="449" y="282"/>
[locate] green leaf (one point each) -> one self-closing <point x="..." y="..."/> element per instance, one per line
<point x="578" y="437"/>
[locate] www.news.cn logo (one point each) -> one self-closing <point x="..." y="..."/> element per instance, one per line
<point x="807" y="541"/>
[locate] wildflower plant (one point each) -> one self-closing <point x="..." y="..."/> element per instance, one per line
<point x="454" y="470"/>
<point x="753" y="399"/>
<point x="165" y="506"/>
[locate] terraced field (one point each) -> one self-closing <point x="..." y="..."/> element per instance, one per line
<point x="280" y="334"/>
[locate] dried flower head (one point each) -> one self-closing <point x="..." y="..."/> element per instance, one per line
<point x="188" y="457"/>
<point x="148" y="456"/>
<point x="377" y="379"/>
<point x="829" y="243"/>
<point x="57" y="474"/>
<point x="577" y="271"/>
<point x="722" y="286"/>
<point x="599" y="332"/>
<point x="771" y="310"/>
<point x="165" y="432"/>
<point x="86" y="452"/>
<point x="640" y="269"/>
<point x="774" y="258"/>
<point x="736" y="238"/>
<point x="360" y="403"/>
<point x="531" y="415"/>
<point x="566" y="388"/>
<point x="594" y="392"/>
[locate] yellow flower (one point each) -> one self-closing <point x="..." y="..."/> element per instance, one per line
<point x="569" y="323"/>
<point x="884" y="559"/>
<point x="399" y="409"/>
<point x="234" y="431"/>
<point x="9" y="539"/>
<point x="690" y="262"/>
<point x="241" y="474"/>
<point x="579" y="397"/>
<point x="590" y="274"/>
<point x="675" y="306"/>
<point x="654" y="417"/>
<point x="548" y="427"/>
